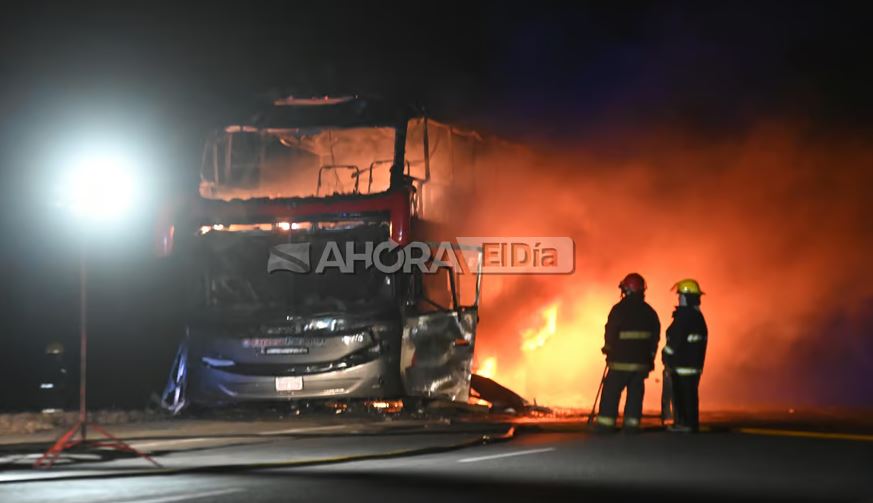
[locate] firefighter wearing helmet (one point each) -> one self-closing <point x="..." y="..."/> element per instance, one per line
<point x="684" y="353"/>
<point x="632" y="334"/>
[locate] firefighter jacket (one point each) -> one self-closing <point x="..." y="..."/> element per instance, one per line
<point x="632" y="334"/>
<point x="686" y="341"/>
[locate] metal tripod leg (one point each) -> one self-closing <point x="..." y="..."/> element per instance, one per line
<point x="68" y="441"/>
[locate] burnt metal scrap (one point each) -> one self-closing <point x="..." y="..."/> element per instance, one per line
<point x="500" y="397"/>
<point x="443" y="354"/>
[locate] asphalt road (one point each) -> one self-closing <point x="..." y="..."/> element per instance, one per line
<point x="541" y="463"/>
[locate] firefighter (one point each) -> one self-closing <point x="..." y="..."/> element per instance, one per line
<point x="631" y="336"/>
<point x="684" y="353"/>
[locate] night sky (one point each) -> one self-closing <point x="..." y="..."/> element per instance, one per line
<point x="536" y="72"/>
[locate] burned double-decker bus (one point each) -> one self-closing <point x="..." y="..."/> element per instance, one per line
<point x="304" y="180"/>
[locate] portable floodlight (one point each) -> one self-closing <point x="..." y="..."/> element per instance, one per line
<point x="96" y="188"/>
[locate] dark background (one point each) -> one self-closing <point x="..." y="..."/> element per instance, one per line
<point x="536" y="71"/>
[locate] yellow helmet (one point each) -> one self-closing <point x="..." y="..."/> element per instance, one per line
<point x="688" y="286"/>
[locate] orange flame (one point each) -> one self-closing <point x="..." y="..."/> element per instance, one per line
<point x="488" y="367"/>
<point x="560" y="354"/>
<point x="535" y="339"/>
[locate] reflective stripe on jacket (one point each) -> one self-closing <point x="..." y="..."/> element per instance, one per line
<point x="629" y="367"/>
<point x="631" y="334"/>
<point x="687" y="337"/>
<point x="634" y="335"/>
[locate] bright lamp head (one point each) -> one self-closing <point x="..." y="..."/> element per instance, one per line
<point x="100" y="186"/>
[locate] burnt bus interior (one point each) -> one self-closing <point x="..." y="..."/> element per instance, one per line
<point x="232" y="272"/>
<point x="304" y="150"/>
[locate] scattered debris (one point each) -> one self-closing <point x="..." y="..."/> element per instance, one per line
<point x="32" y="422"/>
<point x="503" y="399"/>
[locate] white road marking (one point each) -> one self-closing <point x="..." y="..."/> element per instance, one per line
<point x="304" y="430"/>
<point x="170" y="441"/>
<point x="189" y="496"/>
<point x="506" y="455"/>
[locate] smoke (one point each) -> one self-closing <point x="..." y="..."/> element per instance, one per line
<point x="774" y="222"/>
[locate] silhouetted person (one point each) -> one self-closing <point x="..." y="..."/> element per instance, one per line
<point x="684" y="353"/>
<point x="632" y="334"/>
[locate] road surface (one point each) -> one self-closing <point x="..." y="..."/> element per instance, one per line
<point x="451" y="462"/>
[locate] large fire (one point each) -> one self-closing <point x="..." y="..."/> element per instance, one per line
<point x="552" y="363"/>
<point x="774" y="223"/>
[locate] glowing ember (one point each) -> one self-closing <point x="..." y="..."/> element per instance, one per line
<point x="479" y="401"/>
<point x="386" y="406"/>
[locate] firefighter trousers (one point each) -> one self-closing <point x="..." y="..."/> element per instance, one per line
<point x="685" y="399"/>
<point x="667" y="406"/>
<point x="616" y="381"/>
